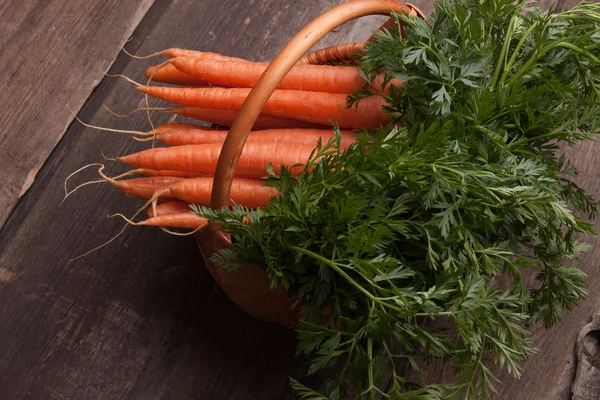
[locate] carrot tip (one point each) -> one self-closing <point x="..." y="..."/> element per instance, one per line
<point x="109" y="158"/>
<point x="130" y="222"/>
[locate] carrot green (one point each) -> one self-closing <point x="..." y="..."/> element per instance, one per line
<point x="413" y="230"/>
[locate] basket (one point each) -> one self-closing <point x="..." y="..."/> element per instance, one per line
<point x="249" y="286"/>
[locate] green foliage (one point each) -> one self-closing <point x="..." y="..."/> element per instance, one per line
<point x="407" y="232"/>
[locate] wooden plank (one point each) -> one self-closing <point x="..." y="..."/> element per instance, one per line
<point x="40" y="41"/>
<point x="136" y="319"/>
<point x="139" y="319"/>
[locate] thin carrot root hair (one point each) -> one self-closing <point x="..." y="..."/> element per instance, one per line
<point x="162" y="228"/>
<point x="113" y="180"/>
<point x="136" y="171"/>
<point x="102" y="128"/>
<point x="67" y="192"/>
<point x="146" y="96"/>
<point x="170" y="232"/>
<point x="151" y="201"/>
<point x="130" y="222"/>
<point x="146" y="139"/>
<point x="154" y="199"/>
<point x="146" y="204"/>
<point x="158" y="53"/>
<point x="128" y="79"/>
<point x="116" y="114"/>
<point x="108" y="158"/>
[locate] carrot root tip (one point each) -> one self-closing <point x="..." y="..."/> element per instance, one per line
<point x="158" y="53"/>
<point x="67" y="192"/>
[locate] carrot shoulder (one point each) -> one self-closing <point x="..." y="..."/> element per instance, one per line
<point x="313" y="107"/>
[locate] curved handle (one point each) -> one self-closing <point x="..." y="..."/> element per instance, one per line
<point x="344" y="53"/>
<point x="272" y="76"/>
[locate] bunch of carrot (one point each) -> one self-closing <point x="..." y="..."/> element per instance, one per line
<point x="211" y="87"/>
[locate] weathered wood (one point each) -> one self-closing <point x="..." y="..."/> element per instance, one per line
<point x="587" y="380"/>
<point x="135" y="319"/>
<point x="140" y="318"/>
<point x="53" y="55"/>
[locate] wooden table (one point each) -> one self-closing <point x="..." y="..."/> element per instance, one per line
<point x="141" y="317"/>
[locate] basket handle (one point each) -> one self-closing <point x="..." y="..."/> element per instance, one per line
<point x="272" y="76"/>
<point x="344" y="53"/>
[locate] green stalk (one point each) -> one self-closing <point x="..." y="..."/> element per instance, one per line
<point x="349" y="279"/>
<point x="504" y="51"/>
<point x="546" y="49"/>
<point x="516" y="52"/>
<point x="370" y="354"/>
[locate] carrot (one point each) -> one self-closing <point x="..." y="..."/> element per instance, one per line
<point x="226" y="117"/>
<point x="177" y="134"/>
<point x="170" y="207"/>
<point x="314" y="107"/>
<point x="179" y="220"/>
<point x="246" y="192"/>
<point x="163" y="172"/>
<point x="316" y="78"/>
<point x="142" y="187"/>
<point x="202" y="158"/>
<point x="206" y="55"/>
<point x="169" y="74"/>
<point x="334" y="54"/>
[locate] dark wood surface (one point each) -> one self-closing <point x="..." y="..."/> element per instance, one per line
<point x="54" y="53"/>
<point x="141" y="317"/>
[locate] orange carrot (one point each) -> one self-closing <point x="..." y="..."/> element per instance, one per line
<point x="316" y="78"/>
<point x="202" y="158"/>
<point x="176" y="134"/>
<point x="143" y="187"/>
<point x="169" y="74"/>
<point x="170" y="207"/>
<point x="314" y="107"/>
<point x="163" y="172"/>
<point x="335" y="54"/>
<point x="205" y="55"/>
<point x="226" y="117"/>
<point x="179" y="220"/>
<point x="246" y="192"/>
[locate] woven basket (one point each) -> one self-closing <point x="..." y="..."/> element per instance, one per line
<point x="249" y="286"/>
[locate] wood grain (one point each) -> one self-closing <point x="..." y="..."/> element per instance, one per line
<point x="54" y="53"/>
<point x="139" y="318"/>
